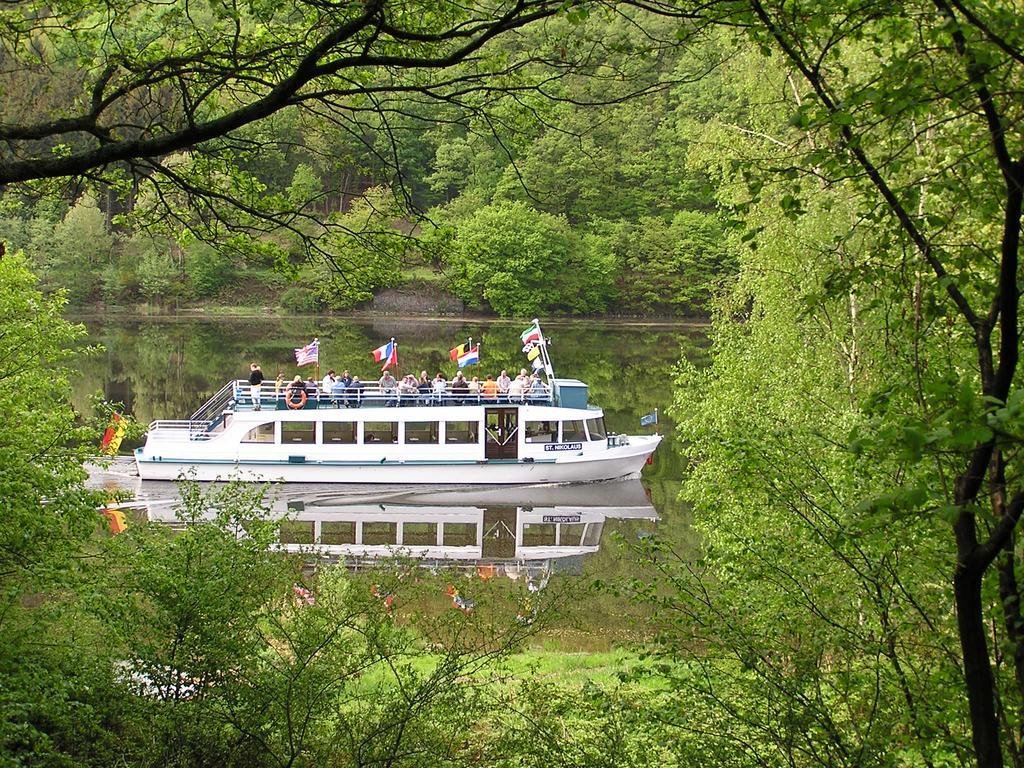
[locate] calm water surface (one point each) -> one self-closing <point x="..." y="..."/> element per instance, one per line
<point x="165" y="368"/>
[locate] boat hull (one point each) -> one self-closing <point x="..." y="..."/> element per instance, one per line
<point x="618" y="462"/>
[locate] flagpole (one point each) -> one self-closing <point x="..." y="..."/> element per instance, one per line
<point x="545" y="358"/>
<point x="317" y="342"/>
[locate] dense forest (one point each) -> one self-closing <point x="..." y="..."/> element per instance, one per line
<point x="841" y="184"/>
<point x="589" y="200"/>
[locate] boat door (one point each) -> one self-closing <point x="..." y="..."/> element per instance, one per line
<point x="501" y="433"/>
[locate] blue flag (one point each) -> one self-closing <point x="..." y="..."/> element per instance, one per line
<point x="649" y="419"/>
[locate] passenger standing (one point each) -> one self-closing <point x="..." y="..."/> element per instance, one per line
<point x="279" y="386"/>
<point x="474" y="389"/>
<point x="255" y="383"/>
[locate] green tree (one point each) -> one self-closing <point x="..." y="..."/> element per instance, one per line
<point x="48" y="517"/>
<point x="82" y="248"/>
<point x="519" y="261"/>
<point x="912" y="116"/>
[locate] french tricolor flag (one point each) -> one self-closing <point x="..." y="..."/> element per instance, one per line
<point x="388" y="354"/>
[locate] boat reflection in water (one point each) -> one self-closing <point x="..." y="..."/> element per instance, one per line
<point x="503" y="531"/>
<point x="510" y="530"/>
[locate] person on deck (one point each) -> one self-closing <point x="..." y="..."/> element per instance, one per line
<point x="338" y="391"/>
<point x="354" y="393"/>
<point x="538" y="390"/>
<point x="515" y="390"/>
<point x="388" y="389"/>
<point x="424" y="388"/>
<point x="255" y="383"/>
<point x="490" y="389"/>
<point x="504" y="382"/>
<point x="328" y="383"/>
<point x="440" y="388"/>
<point x="345" y="379"/>
<point x="407" y="390"/>
<point x="460" y="388"/>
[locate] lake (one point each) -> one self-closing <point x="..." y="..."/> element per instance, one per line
<point x="166" y="367"/>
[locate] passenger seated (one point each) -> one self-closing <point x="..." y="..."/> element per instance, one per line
<point x="338" y="392"/>
<point x="538" y="390"/>
<point x="503" y="382"/>
<point x="424" y="388"/>
<point x="407" y="390"/>
<point x="460" y="388"/>
<point x="440" y="388"/>
<point x="388" y="389"/>
<point x="515" y="391"/>
<point x="490" y="389"/>
<point x="354" y="393"/>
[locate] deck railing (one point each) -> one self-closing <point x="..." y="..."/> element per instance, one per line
<point x="180" y="429"/>
<point x="368" y="395"/>
<point x="216" y="405"/>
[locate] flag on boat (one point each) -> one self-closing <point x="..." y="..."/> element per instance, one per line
<point x="388" y="354"/>
<point x="534" y="353"/>
<point x="113" y="434"/>
<point x="457" y="352"/>
<point x="308" y="354"/>
<point x="531" y="334"/>
<point x="538" y="364"/>
<point x="649" y="419"/>
<point x="470" y="357"/>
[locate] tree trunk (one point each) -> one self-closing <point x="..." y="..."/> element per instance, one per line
<point x="977" y="672"/>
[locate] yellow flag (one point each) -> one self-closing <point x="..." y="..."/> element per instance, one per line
<point x="114" y="434"/>
<point x="533" y="354"/>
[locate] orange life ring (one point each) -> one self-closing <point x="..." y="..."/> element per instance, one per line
<point x="296" y="405"/>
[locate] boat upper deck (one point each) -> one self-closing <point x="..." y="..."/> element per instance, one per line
<point x="237" y="396"/>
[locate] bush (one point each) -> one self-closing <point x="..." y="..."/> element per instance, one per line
<point x="301" y="300"/>
<point x="208" y="269"/>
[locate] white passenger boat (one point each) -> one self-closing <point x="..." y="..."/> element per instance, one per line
<point x="368" y="436"/>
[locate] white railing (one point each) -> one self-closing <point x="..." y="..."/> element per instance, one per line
<point x="368" y="395"/>
<point x="216" y="405"/>
<point x="179" y="430"/>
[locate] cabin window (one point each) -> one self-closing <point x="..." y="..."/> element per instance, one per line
<point x="572" y="432"/>
<point x="419" y="534"/>
<point x="421" y="431"/>
<point x="596" y="428"/>
<point x="541" y="431"/>
<point x="459" y="534"/>
<point x="339" y="432"/>
<point x="462" y="432"/>
<point x="264" y="433"/>
<point x="380" y="432"/>
<point x="298" y="431"/>
<point x="296" y="532"/>
<point x="538" y="535"/>
<point x="377" y="533"/>
<point x="571" y="534"/>
<point x="338" y="532"/>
